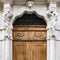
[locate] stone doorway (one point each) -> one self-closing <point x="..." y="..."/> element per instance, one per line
<point x="29" y="38"/>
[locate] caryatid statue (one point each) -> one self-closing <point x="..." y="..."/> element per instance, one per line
<point x="52" y="19"/>
<point x="7" y="22"/>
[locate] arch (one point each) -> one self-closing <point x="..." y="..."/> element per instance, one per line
<point x="36" y="10"/>
<point x="18" y="18"/>
<point x="29" y="19"/>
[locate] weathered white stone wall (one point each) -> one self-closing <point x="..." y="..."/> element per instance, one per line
<point x="57" y="50"/>
<point x="18" y="10"/>
<point x="0" y="50"/>
<point x="0" y="35"/>
<point x="57" y="42"/>
<point x="1" y="17"/>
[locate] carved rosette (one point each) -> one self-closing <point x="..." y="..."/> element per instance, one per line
<point x="20" y="34"/>
<point x="38" y="34"/>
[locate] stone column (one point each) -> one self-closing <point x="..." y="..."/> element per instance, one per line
<point x="51" y="23"/>
<point x="7" y="32"/>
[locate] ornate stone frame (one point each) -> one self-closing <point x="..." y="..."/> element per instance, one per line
<point x="7" y="28"/>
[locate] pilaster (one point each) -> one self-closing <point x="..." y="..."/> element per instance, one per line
<point x="51" y="23"/>
<point x="7" y="14"/>
<point x="7" y="32"/>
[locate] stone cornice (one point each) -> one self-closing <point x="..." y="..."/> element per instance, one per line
<point x="7" y="1"/>
<point x="24" y="1"/>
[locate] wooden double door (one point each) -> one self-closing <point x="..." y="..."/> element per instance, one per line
<point x="29" y="43"/>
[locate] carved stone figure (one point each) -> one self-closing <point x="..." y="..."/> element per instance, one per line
<point x="7" y="19"/>
<point x="30" y="4"/>
<point x="52" y="16"/>
<point x="52" y="19"/>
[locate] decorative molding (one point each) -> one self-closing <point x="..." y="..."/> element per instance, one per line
<point x="7" y="1"/>
<point x="37" y="2"/>
<point x="23" y="2"/>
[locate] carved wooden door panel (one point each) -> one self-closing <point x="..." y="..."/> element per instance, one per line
<point x="29" y="43"/>
<point x="21" y="50"/>
<point x="38" y="50"/>
<point x="29" y="50"/>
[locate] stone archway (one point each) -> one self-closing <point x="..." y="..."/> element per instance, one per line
<point x="7" y="28"/>
<point x="29" y="19"/>
<point x="29" y="31"/>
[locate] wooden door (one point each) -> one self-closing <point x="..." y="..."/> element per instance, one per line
<point x="38" y="50"/>
<point x="29" y="43"/>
